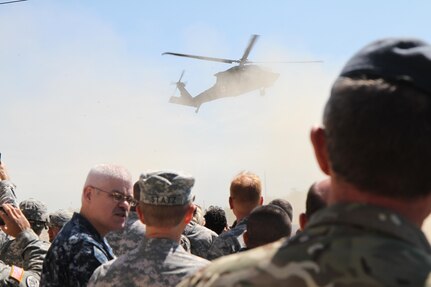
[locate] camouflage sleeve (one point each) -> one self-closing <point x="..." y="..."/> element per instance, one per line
<point x="222" y="246"/>
<point x="33" y="256"/>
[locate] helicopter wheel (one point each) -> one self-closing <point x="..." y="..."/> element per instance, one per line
<point x="262" y="92"/>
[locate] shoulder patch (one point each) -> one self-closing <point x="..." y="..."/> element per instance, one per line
<point x="16" y="273"/>
<point x="32" y="281"/>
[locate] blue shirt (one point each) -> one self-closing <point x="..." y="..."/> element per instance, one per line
<point x="75" y="253"/>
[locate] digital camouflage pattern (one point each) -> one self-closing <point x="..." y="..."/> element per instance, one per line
<point x="59" y="218"/>
<point x="156" y="262"/>
<point x="201" y="238"/>
<point x="166" y="188"/>
<point x="229" y="242"/>
<point x="343" y="245"/>
<point x="122" y="241"/>
<point x="74" y="254"/>
<point x="33" y="255"/>
<point x="11" y="252"/>
<point x="185" y="243"/>
<point x="7" y="193"/>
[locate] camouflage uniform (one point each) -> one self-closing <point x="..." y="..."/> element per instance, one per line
<point x="7" y="195"/>
<point x="229" y="242"/>
<point x="36" y="213"/>
<point x="127" y="239"/>
<point x="158" y="261"/>
<point x="200" y="238"/>
<point x="33" y="255"/>
<point x="74" y="254"/>
<point x="343" y="245"/>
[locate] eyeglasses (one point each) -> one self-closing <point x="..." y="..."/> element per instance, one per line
<point x="119" y="197"/>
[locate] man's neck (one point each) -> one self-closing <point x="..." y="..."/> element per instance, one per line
<point x="173" y="233"/>
<point x="416" y="210"/>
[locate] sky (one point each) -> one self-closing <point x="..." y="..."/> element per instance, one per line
<point x="84" y="82"/>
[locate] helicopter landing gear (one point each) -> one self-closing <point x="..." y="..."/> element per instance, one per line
<point x="262" y="92"/>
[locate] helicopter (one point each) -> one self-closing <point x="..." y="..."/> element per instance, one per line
<point x="235" y="81"/>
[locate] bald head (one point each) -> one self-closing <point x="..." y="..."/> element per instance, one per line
<point x="317" y="198"/>
<point x="101" y="173"/>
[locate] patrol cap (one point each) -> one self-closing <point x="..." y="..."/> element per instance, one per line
<point x="166" y="188"/>
<point x="34" y="210"/>
<point x="59" y="217"/>
<point x="393" y="59"/>
<point x="7" y="193"/>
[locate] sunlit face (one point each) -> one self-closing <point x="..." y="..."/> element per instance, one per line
<point x="110" y="206"/>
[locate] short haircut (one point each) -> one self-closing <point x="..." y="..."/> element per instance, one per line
<point x="267" y="224"/>
<point x="103" y="172"/>
<point x="314" y="201"/>
<point x="215" y="219"/>
<point x="246" y="188"/>
<point x="378" y="136"/>
<point x="163" y="215"/>
<point x="284" y="205"/>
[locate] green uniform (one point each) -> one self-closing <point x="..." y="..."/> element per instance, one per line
<point x="343" y="245"/>
<point x="33" y="254"/>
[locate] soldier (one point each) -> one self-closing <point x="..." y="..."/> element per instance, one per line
<point x="128" y="238"/>
<point x="17" y="225"/>
<point x="36" y="213"/>
<point x="57" y="220"/>
<point x="317" y="197"/>
<point x="215" y="219"/>
<point x="80" y="247"/>
<point x="266" y="224"/>
<point x="245" y="195"/>
<point x="375" y="146"/>
<point x="166" y="206"/>
<point x="200" y="237"/>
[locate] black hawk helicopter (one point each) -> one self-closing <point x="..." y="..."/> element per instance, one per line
<point x="240" y="79"/>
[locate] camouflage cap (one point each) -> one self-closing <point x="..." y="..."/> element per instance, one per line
<point x="166" y="188"/>
<point x="34" y="210"/>
<point x="7" y="193"/>
<point x="60" y="217"/>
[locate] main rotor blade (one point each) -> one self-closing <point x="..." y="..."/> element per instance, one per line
<point x="14" y="1"/>
<point x="229" y="61"/>
<point x="253" y="39"/>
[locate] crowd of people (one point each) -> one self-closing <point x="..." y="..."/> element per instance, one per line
<point x="361" y="225"/>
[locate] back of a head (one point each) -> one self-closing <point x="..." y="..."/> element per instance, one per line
<point x="377" y="120"/>
<point x="165" y="197"/>
<point x="246" y="188"/>
<point x="267" y="224"/>
<point x="36" y="213"/>
<point x="215" y="219"/>
<point x="284" y="205"/>
<point x="317" y="197"/>
<point x="198" y="216"/>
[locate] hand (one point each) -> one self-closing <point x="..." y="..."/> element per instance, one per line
<point x="15" y="220"/>
<point x="3" y="173"/>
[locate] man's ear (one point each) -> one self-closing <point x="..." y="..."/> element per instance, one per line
<point x="245" y="237"/>
<point x="230" y="202"/>
<point x="189" y="214"/>
<point x="302" y="221"/>
<point x="318" y="140"/>
<point x="140" y="214"/>
<point x="261" y="200"/>
<point x="87" y="193"/>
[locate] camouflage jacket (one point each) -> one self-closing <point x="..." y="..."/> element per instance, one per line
<point x="33" y="255"/>
<point x="11" y="252"/>
<point x="124" y="240"/>
<point x="343" y="245"/>
<point x="74" y="254"/>
<point x="229" y="242"/>
<point x="156" y="262"/>
<point x="201" y="238"/>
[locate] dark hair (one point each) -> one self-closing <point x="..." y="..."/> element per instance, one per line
<point x="215" y="219"/>
<point x="378" y="136"/>
<point x="314" y="201"/>
<point x="284" y="205"/>
<point x="267" y="224"/>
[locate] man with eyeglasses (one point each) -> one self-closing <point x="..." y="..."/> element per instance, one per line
<point x="166" y="206"/>
<point x="80" y="247"/>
